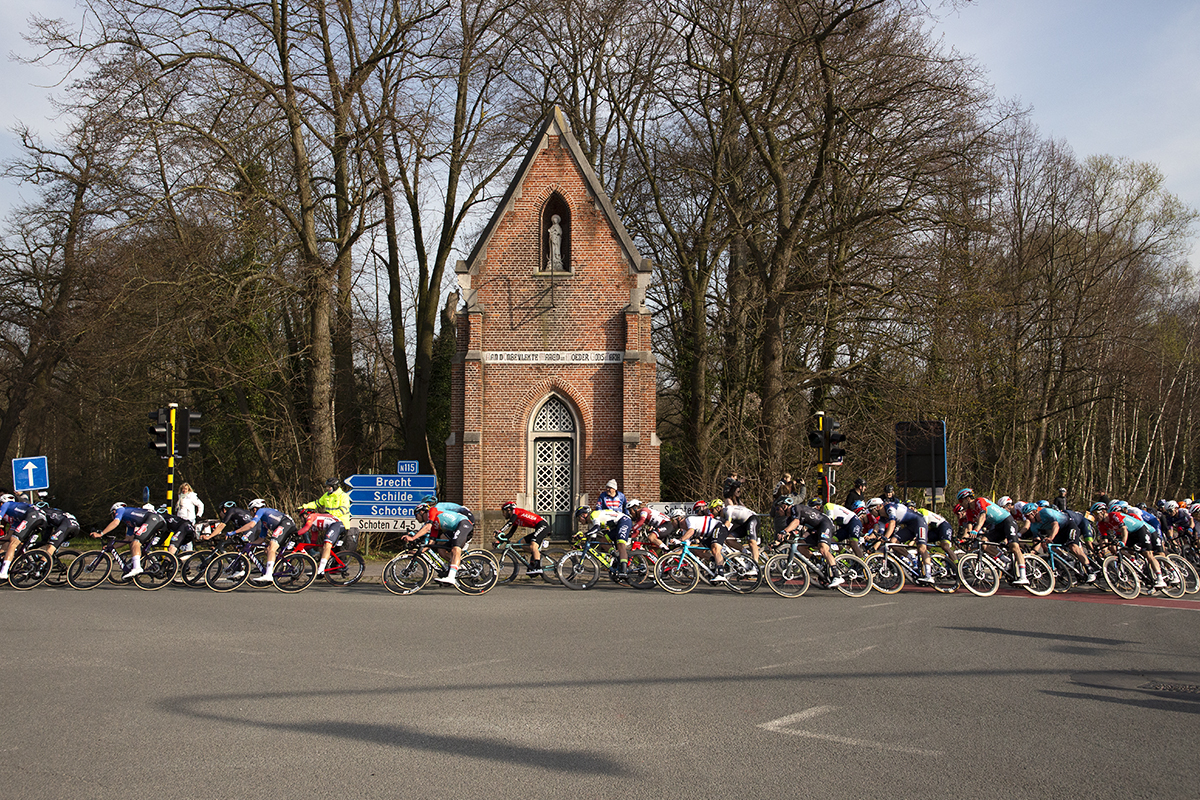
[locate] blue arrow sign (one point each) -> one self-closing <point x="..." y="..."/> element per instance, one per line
<point x="30" y="474"/>
<point x="407" y="467"/>
<point x="416" y="483"/>
<point x="382" y="509"/>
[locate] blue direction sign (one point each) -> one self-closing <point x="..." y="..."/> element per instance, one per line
<point x="386" y="496"/>
<point x="382" y="509"/>
<point x="416" y="483"/>
<point x="30" y="474"/>
<point x="407" y="467"/>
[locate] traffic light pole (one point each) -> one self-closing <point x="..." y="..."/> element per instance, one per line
<point x="171" y="462"/>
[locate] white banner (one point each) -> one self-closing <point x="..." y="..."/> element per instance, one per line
<point x="384" y="524"/>
<point x="552" y="357"/>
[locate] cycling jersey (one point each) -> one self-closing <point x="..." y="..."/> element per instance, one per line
<point x="63" y="526"/>
<point x="520" y="518"/>
<point x="615" y="524"/>
<point x="849" y="525"/>
<point x="647" y="517"/>
<point x="741" y="521"/>
<point x="140" y="524"/>
<point x="321" y="527"/>
<point x="709" y="529"/>
<point x="25" y="521"/>
<point x="181" y="531"/>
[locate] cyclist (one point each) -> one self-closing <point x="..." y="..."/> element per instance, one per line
<point x="456" y="528"/>
<point x="274" y="526"/>
<point x="1176" y="520"/>
<point x="902" y="525"/>
<point x="140" y="527"/>
<point x="62" y="524"/>
<point x="820" y="532"/>
<point x="653" y="526"/>
<point x="517" y="518"/>
<point x="232" y="517"/>
<point x="330" y="529"/>
<point x="181" y="531"/>
<point x="1059" y="527"/>
<point x="981" y="515"/>
<point x="710" y="531"/>
<point x="1117" y="521"/>
<point x="941" y="532"/>
<point x="612" y="499"/>
<point x="742" y="524"/>
<point x="848" y="525"/>
<point x="616" y="525"/>
<point x="25" y="522"/>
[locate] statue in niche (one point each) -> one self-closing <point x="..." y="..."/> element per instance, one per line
<point x="555" y="232"/>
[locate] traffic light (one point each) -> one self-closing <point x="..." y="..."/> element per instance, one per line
<point x="187" y="431"/>
<point x="833" y="451"/>
<point x="816" y="439"/>
<point x="161" y="431"/>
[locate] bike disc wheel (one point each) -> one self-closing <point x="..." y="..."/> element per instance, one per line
<point x="978" y="575"/>
<point x="158" y="569"/>
<point x="578" y="570"/>
<point x="1121" y="577"/>
<point x="887" y="576"/>
<point x="89" y="570"/>
<point x="405" y="574"/>
<point x="855" y="574"/>
<point x="227" y="572"/>
<point x="345" y="568"/>
<point x="29" y="569"/>
<point x="787" y="576"/>
<point x="294" y="573"/>
<point x="476" y="573"/>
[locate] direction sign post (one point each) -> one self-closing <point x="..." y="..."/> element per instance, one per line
<point x="385" y="503"/>
<point x="30" y="474"/>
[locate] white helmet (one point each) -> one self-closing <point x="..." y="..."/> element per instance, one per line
<point x="1005" y="501"/>
<point x="6" y="498"/>
<point x="1172" y="506"/>
<point x="634" y="503"/>
<point x="115" y="508"/>
<point x="257" y="503"/>
<point x="875" y="502"/>
<point x="150" y="507"/>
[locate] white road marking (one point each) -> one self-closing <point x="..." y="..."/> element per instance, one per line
<point x="831" y="657"/>
<point x="877" y="605"/>
<point x="780" y="726"/>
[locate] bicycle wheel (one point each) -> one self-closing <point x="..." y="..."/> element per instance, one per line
<point x="978" y="575"/>
<point x="295" y="572"/>
<point x="58" y="567"/>
<point x="742" y="575"/>
<point x="577" y="570"/>
<point x="1041" y="577"/>
<point x="122" y="561"/>
<point x="510" y="566"/>
<point x="192" y="565"/>
<point x="1191" y="577"/>
<point x="550" y="558"/>
<point x="476" y="573"/>
<point x="227" y="572"/>
<point x="945" y="575"/>
<point x="641" y="570"/>
<point x="787" y="576"/>
<point x="345" y="568"/>
<point x="158" y="569"/>
<point x="89" y="569"/>
<point x="1064" y="576"/>
<point x="29" y="569"/>
<point x="1121" y="577"/>
<point x="405" y="574"/>
<point x="855" y="574"/>
<point x="675" y="573"/>
<point x="1172" y="577"/>
<point x="887" y="576"/>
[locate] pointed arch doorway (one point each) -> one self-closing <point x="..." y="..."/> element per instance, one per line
<point x="553" y="452"/>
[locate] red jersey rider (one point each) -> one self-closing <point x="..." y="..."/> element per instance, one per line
<point x="516" y="518"/>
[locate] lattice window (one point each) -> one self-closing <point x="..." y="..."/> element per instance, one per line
<point x="554" y="417"/>
<point x="552" y="485"/>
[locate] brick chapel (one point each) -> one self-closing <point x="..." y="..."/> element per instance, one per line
<point x="553" y="385"/>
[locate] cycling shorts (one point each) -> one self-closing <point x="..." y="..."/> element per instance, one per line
<point x="282" y="533"/>
<point x="912" y="529"/>
<point x="150" y="528"/>
<point x="30" y="529"/>
<point x="333" y="533"/>
<point x="540" y="533"/>
<point x="850" y="532"/>
<point x="461" y="534"/>
<point x="1002" y="532"/>
<point x="64" y="533"/>
<point x="746" y="531"/>
<point x="822" y="534"/>
<point x="621" y="533"/>
<point x="941" y="532"/>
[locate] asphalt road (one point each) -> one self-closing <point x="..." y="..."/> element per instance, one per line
<point x="537" y="691"/>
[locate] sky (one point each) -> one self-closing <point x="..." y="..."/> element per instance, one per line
<point x="1108" y="77"/>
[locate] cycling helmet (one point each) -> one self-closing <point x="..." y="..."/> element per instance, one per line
<point x="1043" y="503"/>
<point x="1097" y="506"/>
<point x="964" y="494"/>
<point x="582" y="511"/>
<point x="874" y="502"/>
<point x="678" y="513"/>
<point x="716" y="505"/>
<point x="699" y="508"/>
<point x="42" y="504"/>
<point x="422" y="510"/>
<point x="229" y="504"/>
<point x="815" y="502"/>
<point x="1114" y="505"/>
<point x="149" y="507"/>
<point x="858" y="505"/>
<point x="6" y="498"/>
<point x="1194" y="508"/>
<point x="115" y="506"/>
<point x="1029" y="508"/>
<point x="784" y="504"/>
<point x="1005" y="500"/>
<point x="634" y="504"/>
<point x="257" y="503"/>
<point x="331" y="483"/>
<point x="431" y="499"/>
<point x="1172" y="506"/>
<point x="507" y="506"/>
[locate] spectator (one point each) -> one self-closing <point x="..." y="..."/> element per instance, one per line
<point x="612" y="499"/>
<point x="785" y="488"/>
<point x="856" y="494"/>
<point x="731" y="489"/>
<point x="189" y="507"/>
<point x="1060" y="502"/>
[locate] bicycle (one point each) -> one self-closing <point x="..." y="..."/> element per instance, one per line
<point x="410" y="571"/>
<point x="93" y="567"/>
<point x="790" y="574"/>
<point x="980" y="571"/>
<point x="294" y="572"/>
<point x="512" y="558"/>
<point x="1068" y="569"/>
<point x="580" y="568"/>
<point x="680" y="570"/>
<point x="344" y="568"/>
<point x="1128" y="570"/>
<point x="897" y="564"/>
<point x="30" y="567"/>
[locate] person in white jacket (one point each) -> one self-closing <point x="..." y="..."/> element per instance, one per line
<point x="189" y="506"/>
